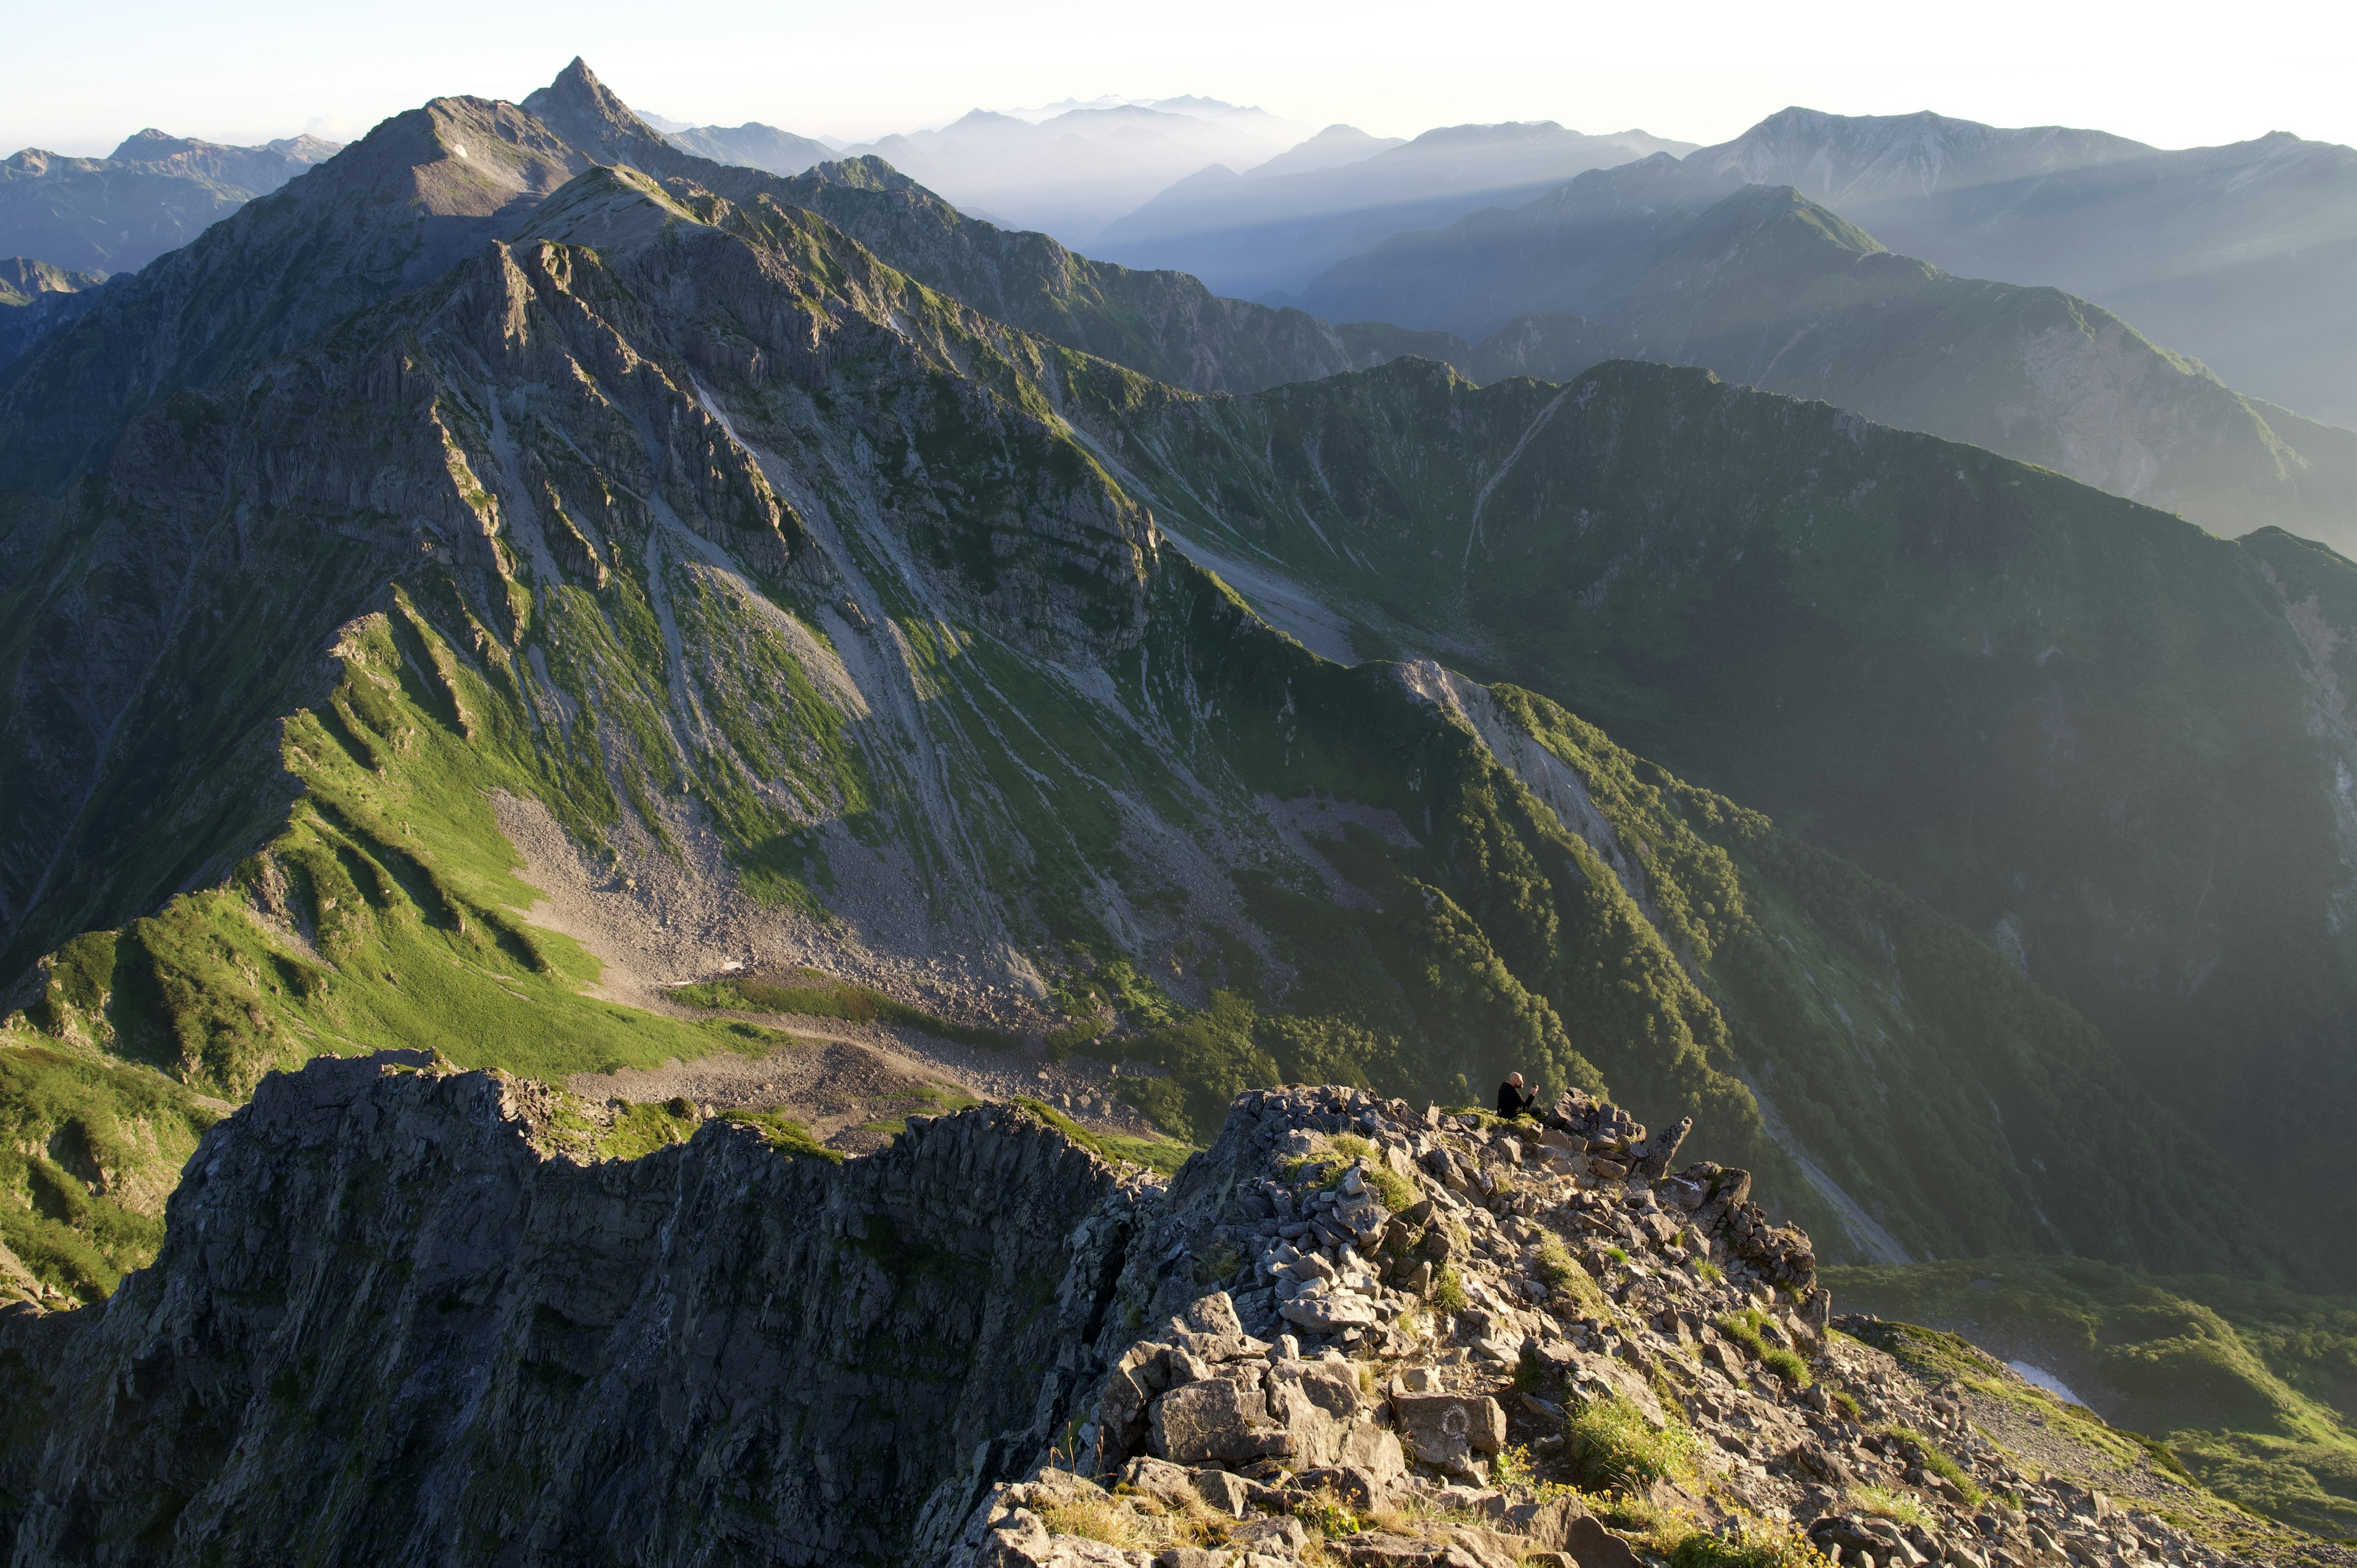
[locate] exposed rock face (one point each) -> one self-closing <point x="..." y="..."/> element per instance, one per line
<point x="1584" y="1293"/>
<point x="386" y="1327"/>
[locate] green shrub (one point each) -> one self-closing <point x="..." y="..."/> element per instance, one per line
<point x="1610" y="1444"/>
<point x="1154" y="1153"/>
<point x="1753" y="1543"/>
<point x="1788" y="1365"/>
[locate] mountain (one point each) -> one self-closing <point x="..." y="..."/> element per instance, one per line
<point x="1329" y="148"/>
<point x="2108" y="741"/>
<point x="1263" y="236"/>
<point x="457" y="1313"/>
<point x="1074" y="172"/>
<point x="1165" y="324"/>
<point x="1768" y="288"/>
<point x="153" y="194"/>
<point x="2233" y="254"/>
<point x="22" y="281"/>
<point x="795" y="619"/>
<point x="753" y="145"/>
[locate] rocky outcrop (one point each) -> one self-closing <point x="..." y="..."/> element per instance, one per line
<point x="1609" y="1361"/>
<point x="385" y="1326"/>
<point x="390" y="1325"/>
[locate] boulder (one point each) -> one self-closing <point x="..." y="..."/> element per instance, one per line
<point x="1165" y="1483"/>
<point x="1282" y="1536"/>
<point x="1593" y="1546"/>
<point x="1218" y="1418"/>
<point x="1546" y="1525"/>
<point x="1229" y="1494"/>
<point x="1330" y="1312"/>
<point x="1446" y="1428"/>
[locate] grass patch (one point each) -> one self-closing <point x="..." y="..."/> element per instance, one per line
<point x="822" y="997"/>
<point x="1883" y="1502"/>
<point x="1936" y="1461"/>
<point x="1611" y="1444"/>
<point x="783" y="1133"/>
<point x="1094" y="1518"/>
<point x="1448" y="1289"/>
<point x="1750" y="1544"/>
<point x="1563" y="1271"/>
<point x="1163" y="1154"/>
<point x="639" y="1130"/>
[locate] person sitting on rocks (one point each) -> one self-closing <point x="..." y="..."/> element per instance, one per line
<point x="1513" y="1100"/>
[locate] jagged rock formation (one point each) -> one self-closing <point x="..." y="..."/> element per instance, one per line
<point x="1617" y="1359"/>
<point x="394" y="1323"/>
<point x="388" y="1327"/>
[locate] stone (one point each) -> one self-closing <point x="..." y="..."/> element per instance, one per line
<point x="1215" y="1419"/>
<point x="1593" y="1546"/>
<point x="1486" y="1548"/>
<point x="1330" y="1312"/>
<point x="1282" y="1536"/>
<point x="1446" y="1428"/>
<point x="1229" y="1494"/>
<point x="1381" y="1548"/>
<point x="1167" y="1483"/>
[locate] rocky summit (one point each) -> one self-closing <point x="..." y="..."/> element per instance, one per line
<point x="400" y="1317"/>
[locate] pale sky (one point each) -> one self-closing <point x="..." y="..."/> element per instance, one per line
<point x="2171" y="73"/>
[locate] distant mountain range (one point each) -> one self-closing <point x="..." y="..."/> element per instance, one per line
<point x="1074" y="172"/>
<point x="751" y="145"/>
<point x="2239" y="255"/>
<point x="1271" y="229"/>
<point x="1768" y="288"/>
<point x="153" y="194"/>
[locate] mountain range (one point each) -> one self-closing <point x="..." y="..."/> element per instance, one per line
<point x="154" y="193"/>
<point x="1267" y="231"/>
<point x="527" y="592"/>
<point x="1074" y="172"/>
<point x="2233" y="255"/>
<point x="1769" y="288"/>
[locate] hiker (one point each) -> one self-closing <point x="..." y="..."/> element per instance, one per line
<point x="1512" y="1100"/>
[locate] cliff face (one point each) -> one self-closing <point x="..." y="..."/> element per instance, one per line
<point x="386" y="1325"/>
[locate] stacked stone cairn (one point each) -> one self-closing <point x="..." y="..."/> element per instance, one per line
<point x="1389" y="1336"/>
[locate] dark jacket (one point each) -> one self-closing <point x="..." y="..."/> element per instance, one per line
<point x="1513" y="1102"/>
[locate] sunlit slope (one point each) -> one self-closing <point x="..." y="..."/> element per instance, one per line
<point x="699" y="527"/>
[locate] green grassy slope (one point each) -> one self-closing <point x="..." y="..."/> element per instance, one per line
<point x="2252" y="1387"/>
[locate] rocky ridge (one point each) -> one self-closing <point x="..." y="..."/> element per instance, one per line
<point x="1434" y="1339"/>
<point x="401" y="1315"/>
